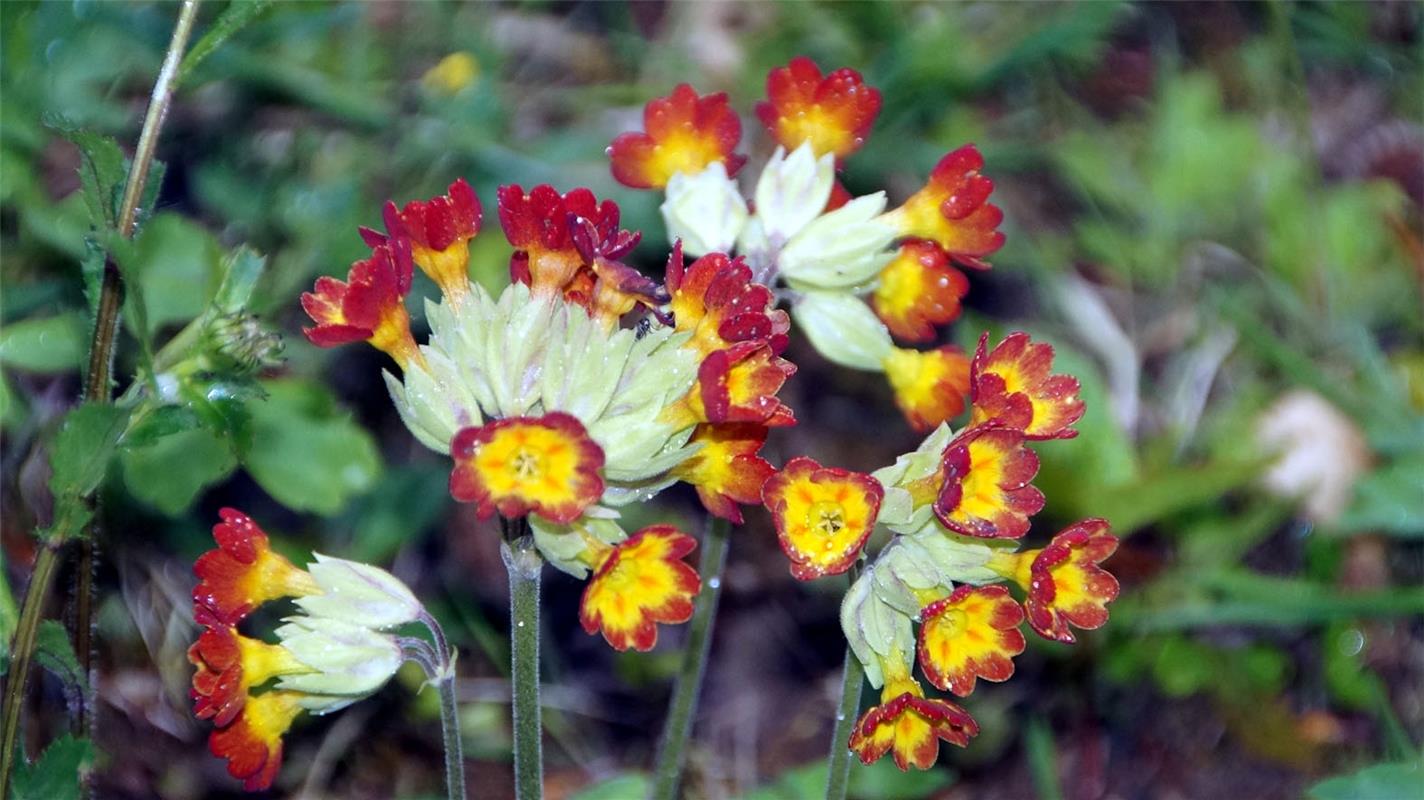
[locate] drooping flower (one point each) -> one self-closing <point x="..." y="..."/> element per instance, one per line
<point x="1012" y="385"/>
<point x="834" y="113"/>
<point x="439" y="230"/>
<point x="541" y="224"/>
<point x="683" y="134"/>
<point x="727" y="470"/>
<point x="243" y="573"/>
<point x="953" y="210"/>
<point x="972" y="633"/>
<point x="910" y="726"/>
<point x="986" y="489"/>
<point x="252" y="742"/>
<point x="1064" y="583"/>
<point x="739" y="384"/>
<point x="823" y="515"/>
<point x="930" y="386"/>
<point x="918" y="291"/>
<point x="715" y="299"/>
<point x="640" y="582"/>
<point x="228" y="665"/>
<point x="369" y="306"/>
<point x="545" y="465"/>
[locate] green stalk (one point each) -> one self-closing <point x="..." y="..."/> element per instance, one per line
<point x="97" y="382"/>
<point x="522" y="562"/>
<point x="678" y="728"/>
<point x="450" y="732"/>
<point x="24" y="647"/>
<point x="852" y="684"/>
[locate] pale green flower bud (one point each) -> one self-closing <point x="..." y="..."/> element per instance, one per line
<point x="565" y="546"/>
<point x="792" y="191"/>
<point x="351" y="661"/>
<point x="899" y="511"/>
<point x="706" y="211"/>
<point x="875" y="629"/>
<point x="359" y="594"/>
<point x="843" y="329"/>
<point x="843" y="249"/>
<point x="960" y="559"/>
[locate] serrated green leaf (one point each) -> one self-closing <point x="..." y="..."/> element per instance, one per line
<point x="1378" y="782"/>
<point x="54" y="652"/>
<point x="103" y="170"/>
<point x="172" y="269"/>
<point x="91" y="270"/>
<point x="58" y="774"/>
<point x="159" y="423"/>
<point x="83" y="447"/>
<point x="169" y="473"/>
<point x="306" y="453"/>
<point x="48" y="345"/>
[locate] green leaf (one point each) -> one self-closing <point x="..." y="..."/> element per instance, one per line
<point x="174" y="270"/>
<point x="168" y="473"/>
<point x="58" y="774"/>
<point x="306" y="453"/>
<point x="160" y="423"/>
<point x="1378" y="782"/>
<point x="884" y="781"/>
<point x="54" y="652"/>
<point x="1389" y="500"/>
<point x="103" y="170"/>
<point x="83" y="447"/>
<point x="618" y="787"/>
<point x="223" y="406"/>
<point x="241" y="270"/>
<point x="233" y="19"/>
<point x="47" y="345"/>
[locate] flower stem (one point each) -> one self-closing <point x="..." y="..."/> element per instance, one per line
<point x="450" y="730"/>
<point x="522" y="562"/>
<point x="24" y="646"/>
<point x="852" y="684"/>
<point x="678" y="728"/>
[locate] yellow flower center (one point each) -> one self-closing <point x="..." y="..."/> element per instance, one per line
<point x="527" y="465"/>
<point x="827" y="519"/>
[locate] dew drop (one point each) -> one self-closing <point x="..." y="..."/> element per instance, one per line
<point x="714" y="582"/>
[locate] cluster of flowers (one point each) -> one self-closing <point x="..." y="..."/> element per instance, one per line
<point x="955" y="507"/>
<point x="554" y="410"/>
<point x="802" y="230"/>
<point x="336" y="650"/>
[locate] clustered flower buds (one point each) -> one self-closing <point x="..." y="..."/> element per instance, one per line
<point x="332" y="653"/>
<point x="805" y="232"/>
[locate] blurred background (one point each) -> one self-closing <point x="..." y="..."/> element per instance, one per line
<point x="1213" y="211"/>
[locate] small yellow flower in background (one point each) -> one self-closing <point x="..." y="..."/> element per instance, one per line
<point x="455" y="73"/>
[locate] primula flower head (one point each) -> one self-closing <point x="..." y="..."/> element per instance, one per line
<point x="642" y="581"/>
<point x="727" y="470"/>
<point x="439" y="230"/>
<point x="684" y="133"/>
<point x="252" y="743"/>
<point x="545" y="465"/>
<point x="918" y="291"/>
<point x="972" y="633"/>
<point x="243" y="573"/>
<point x="1065" y="585"/>
<point x="823" y="515"/>
<point x="930" y="386"/>
<point x="834" y="113"/>
<point x="369" y="306"/>
<point x="953" y="210"/>
<point x="1011" y="385"/>
<point x="228" y="665"/>
<point x="909" y="725"/>
<point x="986" y="492"/>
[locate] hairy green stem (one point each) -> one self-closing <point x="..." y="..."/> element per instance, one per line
<point x="21" y="652"/>
<point x="522" y="562"/>
<point x="677" y="730"/>
<point x="852" y="684"/>
<point x="97" y="380"/>
<point x="450" y="731"/>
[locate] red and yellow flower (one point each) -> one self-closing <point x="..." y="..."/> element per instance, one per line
<point x="541" y="224"/>
<point x="739" y="384"/>
<point x="1012" y="385"/>
<point x="543" y="465"/>
<point x="1064" y="583"/>
<point x="834" y="113"/>
<point x="918" y="291"/>
<point x="986" y="490"/>
<point x="243" y="573"/>
<point x="909" y="725"/>
<point x="439" y="230"/>
<point x="823" y="515"/>
<point x="369" y="306"/>
<point x="228" y="665"/>
<point x="930" y="386"/>
<point x="683" y="133"/>
<point x="953" y="210"/>
<point x="716" y="300"/>
<point x="640" y="581"/>
<point x="727" y="470"/>
<point x="972" y="633"/>
<point x="252" y="742"/>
